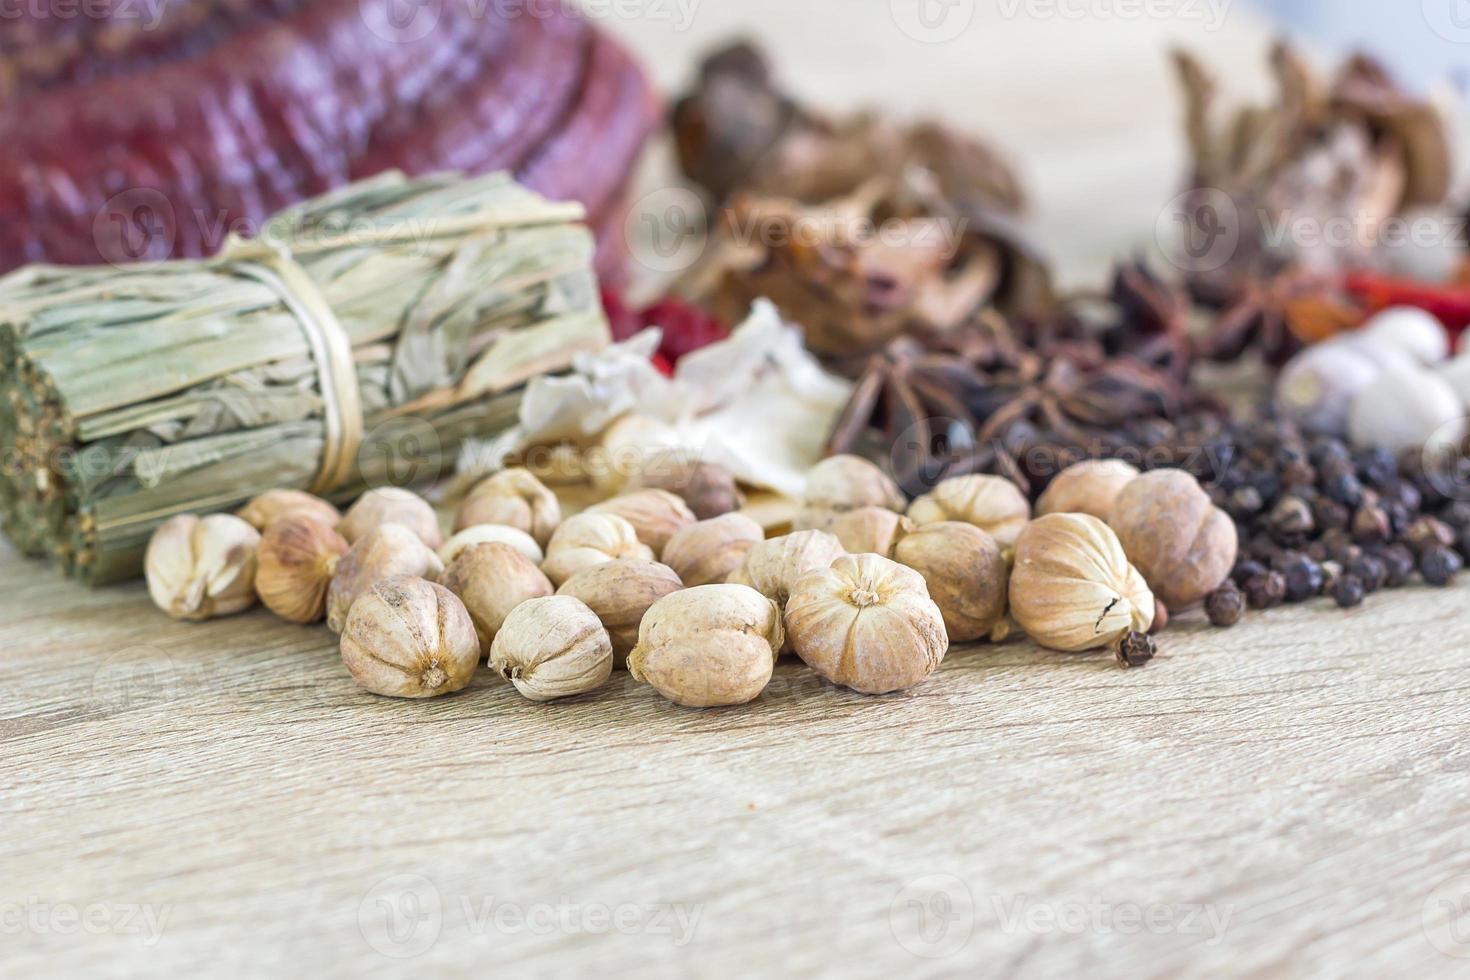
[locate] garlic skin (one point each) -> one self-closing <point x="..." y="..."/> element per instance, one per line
<point x="199" y="568"/>
<point x="991" y="503"/>
<point x="591" y="539"/>
<point x="772" y="567"/>
<point x="1415" y="332"/>
<point x="1088" y="487"/>
<point x="709" y="646"/>
<point x="294" y="566"/>
<point x="1408" y="408"/>
<point x="492" y="580"/>
<point x="840" y="484"/>
<point x="388" y="551"/>
<point x="552" y="648"/>
<point x="966" y="573"/>
<point x="620" y="593"/>
<point x="709" y="552"/>
<point x="463" y="540"/>
<point x="391" y="505"/>
<point x="1317" y="387"/>
<point x="408" y="638"/>
<point x="656" y="515"/>
<point x="709" y="489"/>
<point x="1175" y="536"/>
<point x="866" y="623"/>
<point x="1072" y="588"/>
<point x="277" y="505"/>
<point x="871" y="530"/>
<point x="514" y="498"/>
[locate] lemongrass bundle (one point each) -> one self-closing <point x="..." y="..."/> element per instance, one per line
<point x="356" y="341"/>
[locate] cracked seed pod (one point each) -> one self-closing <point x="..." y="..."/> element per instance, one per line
<point x="553" y="647"/>
<point x="408" y="638"/>
<point x="1173" y="533"/>
<point x="866" y="623"/>
<point x="871" y="530"/>
<point x="514" y="498"/>
<point x="656" y="515"/>
<point x="773" y="566"/>
<point x="966" y="574"/>
<point x="294" y="567"/>
<point x="840" y="484"/>
<point x="391" y="505"/>
<point x="620" y="592"/>
<point x="591" y="539"/>
<point x="385" y="552"/>
<point x="277" y="505"/>
<point x="991" y="503"/>
<point x="491" y="534"/>
<point x="708" y="553"/>
<point x="708" y="646"/>
<point x="492" y="580"/>
<point x="202" y="567"/>
<point x="1072" y="588"/>
<point x="1088" y="487"/>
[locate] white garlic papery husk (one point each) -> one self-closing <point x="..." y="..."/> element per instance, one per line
<point x="491" y="534"/>
<point x="552" y="647"/>
<point x="1417" y="333"/>
<point x="202" y="567"/>
<point x="1408" y="408"/>
<point x="993" y="504"/>
<point x="1072" y="587"/>
<point x="591" y="539"/>
<point x="1317" y="387"/>
<point x="1457" y="373"/>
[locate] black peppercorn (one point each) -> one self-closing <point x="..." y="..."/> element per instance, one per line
<point x="1348" y="591"/>
<point x="1406" y="495"/>
<point x="1136" y="650"/>
<point x="1371" y="571"/>
<point x="1331" y="454"/>
<point x="1291" y="519"/>
<point x="1226" y="605"/>
<point x="1371" y="523"/>
<point x="1329" y="515"/>
<point x="1457" y="515"/>
<point x="1426" y="532"/>
<point x="1464" y="544"/>
<point x="1377" y="467"/>
<point x="1398" y="563"/>
<point x="1244" y="502"/>
<point x="1304" y="579"/>
<point x="1439" y="565"/>
<point x="1247" y="569"/>
<point x="1265" y="590"/>
<point x="1345" y="488"/>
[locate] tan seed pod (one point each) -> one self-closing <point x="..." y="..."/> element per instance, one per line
<point x="514" y="498"/>
<point x="491" y="534"/>
<point x="656" y="515"/>
<point x="991" y="503"/>
<point x="591" y="539"/>
<point x="294" y="567"/>
<point x="840" y="484"/>
<point x="408" y="638"/>
<point x="1088" y="487"/>
<point x="620" y="592"/>
<point x="277" y="505"/>
<point x="551" y="648"/>
<point x="866" y="623"/>
<point x="199" y="568"/>
<point x="772" y="567"/>
<point x="708" y="646"/>
<point x="708" y="488"/>
<point x="1183" y="544"/>
<point x="871" y="530"/>
<point x="707" y="553"/>
<point x="966" y="573"/>
<point x="391" y="505"/>
<point x="1072" y="588"/>
<point x="388" y="551"/>
<point x="491" y="580"/>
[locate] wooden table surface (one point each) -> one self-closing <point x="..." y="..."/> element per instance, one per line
<point x="1287" y="798"/>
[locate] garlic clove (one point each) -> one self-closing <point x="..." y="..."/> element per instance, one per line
<point x="1408" y="408"/>
<point x="408" y="638"/>
<point x="200" y="568"/>
<point x="1415" y="332"/>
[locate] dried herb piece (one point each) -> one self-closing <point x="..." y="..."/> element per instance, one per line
<point x="1135" y="650"/>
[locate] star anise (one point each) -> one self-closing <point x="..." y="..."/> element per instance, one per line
<point x="1278" y="316"/>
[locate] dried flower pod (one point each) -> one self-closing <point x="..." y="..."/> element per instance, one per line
<point x="385" y="552"/>
<point x="656" y="515"/>
<point x="514" y="498"/>
<point x="294" y="567"/>
<point x="708" y="646"/>
<point x="202" y="567"/>
<point x="391" y="505"/>
<point x="491" y="534"/>
<point x="552" y="648"/>
<point x="772" y="567"/>
<point x="840" y="484"/>
<point x="994" y="505"/>
<point x="491" y="580"/>
<point x="277" y="505"/>
<point x="620" y="592"/>
<point x="408" y="638"/>
<point x="871" y="530"/>
<point x="1183" y="544"/>
<point x="591" y="539"/>
<point x="707" y="553"/>
<point x="866" y="623"/>
<point x="1088" y="487"/>
<point x="966" y="573"/>
<point x="1072" y="588"/>
<point x="708" y="488"/>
